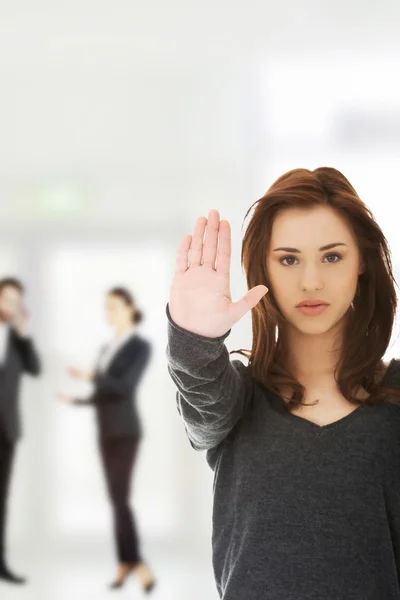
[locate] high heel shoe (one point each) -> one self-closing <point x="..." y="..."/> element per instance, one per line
<point x="115" y="585"/>
<point x="149" y="586"/>
<point x="146" y="579"/>
<point x="120" y="581"/>
<point x="10" y="577"/>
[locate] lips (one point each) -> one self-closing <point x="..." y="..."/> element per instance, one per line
<point x="312" y="311"/>
<point x="312" y="303"/>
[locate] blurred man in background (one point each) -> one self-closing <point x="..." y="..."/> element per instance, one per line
<point x="17" y="356"/>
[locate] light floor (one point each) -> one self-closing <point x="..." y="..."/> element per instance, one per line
<point x="68" y="572"/>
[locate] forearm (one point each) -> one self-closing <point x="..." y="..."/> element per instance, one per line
<point x="83" y="401"/>
<point x="212" y="389"/>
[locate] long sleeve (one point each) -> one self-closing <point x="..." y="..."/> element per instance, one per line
<point x="117" y="387"/>
<point x="83" y="401"/>
<point x="29" y="356"/>
<point x="211" y="389"/>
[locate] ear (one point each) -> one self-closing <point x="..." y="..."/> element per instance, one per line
<point x="361" y="267"/>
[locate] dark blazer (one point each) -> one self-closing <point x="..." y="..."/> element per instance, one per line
<point x="20" y="357"/>
<point x="114" y="395"/>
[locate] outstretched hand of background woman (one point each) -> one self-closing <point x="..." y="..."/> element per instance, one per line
<point x="80" y="374"/>
<point x="65" y="398"/>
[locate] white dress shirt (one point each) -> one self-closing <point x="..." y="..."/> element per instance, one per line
<point x="4" y="334"/>
<point x="112" y="348"/>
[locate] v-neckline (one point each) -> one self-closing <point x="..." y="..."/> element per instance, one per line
<point x="333" y="424"/>
<point x="302" y="421"/>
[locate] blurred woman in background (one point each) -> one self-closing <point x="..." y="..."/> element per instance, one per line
<point x="119" y="369"/>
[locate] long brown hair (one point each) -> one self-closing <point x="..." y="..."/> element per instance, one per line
<point x="369" y="327"/>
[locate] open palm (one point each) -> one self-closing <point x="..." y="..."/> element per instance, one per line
<point x="200" y="297"/>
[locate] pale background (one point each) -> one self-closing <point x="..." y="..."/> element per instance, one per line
<point x="120" y="123"/>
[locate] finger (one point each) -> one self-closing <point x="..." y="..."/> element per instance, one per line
<point x="211" y="239"/>
<point x="182" y="257"/>
<point x="224" y="248"/>
<point x="249" y="301"/>
<point x="196" y="247"/>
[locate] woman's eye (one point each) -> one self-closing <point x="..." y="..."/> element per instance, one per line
<point x="289" y="261"/>
<point x="287" y="258"/>
<point x="334" y="255"/>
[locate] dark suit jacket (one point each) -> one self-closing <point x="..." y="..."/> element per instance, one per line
<point x="20" y="357"/>
<point x="114" y="395"/>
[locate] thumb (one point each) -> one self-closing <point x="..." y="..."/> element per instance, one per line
<point x="249" y="301"/>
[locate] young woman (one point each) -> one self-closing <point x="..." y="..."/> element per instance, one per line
<point x="119" y="369"/>
<point x="304" y="440"/>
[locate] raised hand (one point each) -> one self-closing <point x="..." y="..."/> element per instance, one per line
<point x="200" y="298"/>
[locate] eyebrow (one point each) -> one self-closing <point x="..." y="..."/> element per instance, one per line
<point x="327" y="247"/>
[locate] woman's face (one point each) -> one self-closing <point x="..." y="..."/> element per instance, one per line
<point x="302" y="268"/>
<point x="118" y="313"/>
<point x="10" y="302"/>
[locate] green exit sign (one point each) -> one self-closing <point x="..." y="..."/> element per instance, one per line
<point x="54" y="199"/>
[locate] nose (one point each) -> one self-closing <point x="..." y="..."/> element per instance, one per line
<point x="311" y="280"/>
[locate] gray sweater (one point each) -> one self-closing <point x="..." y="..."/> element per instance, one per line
<point x="300" y="511"/>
